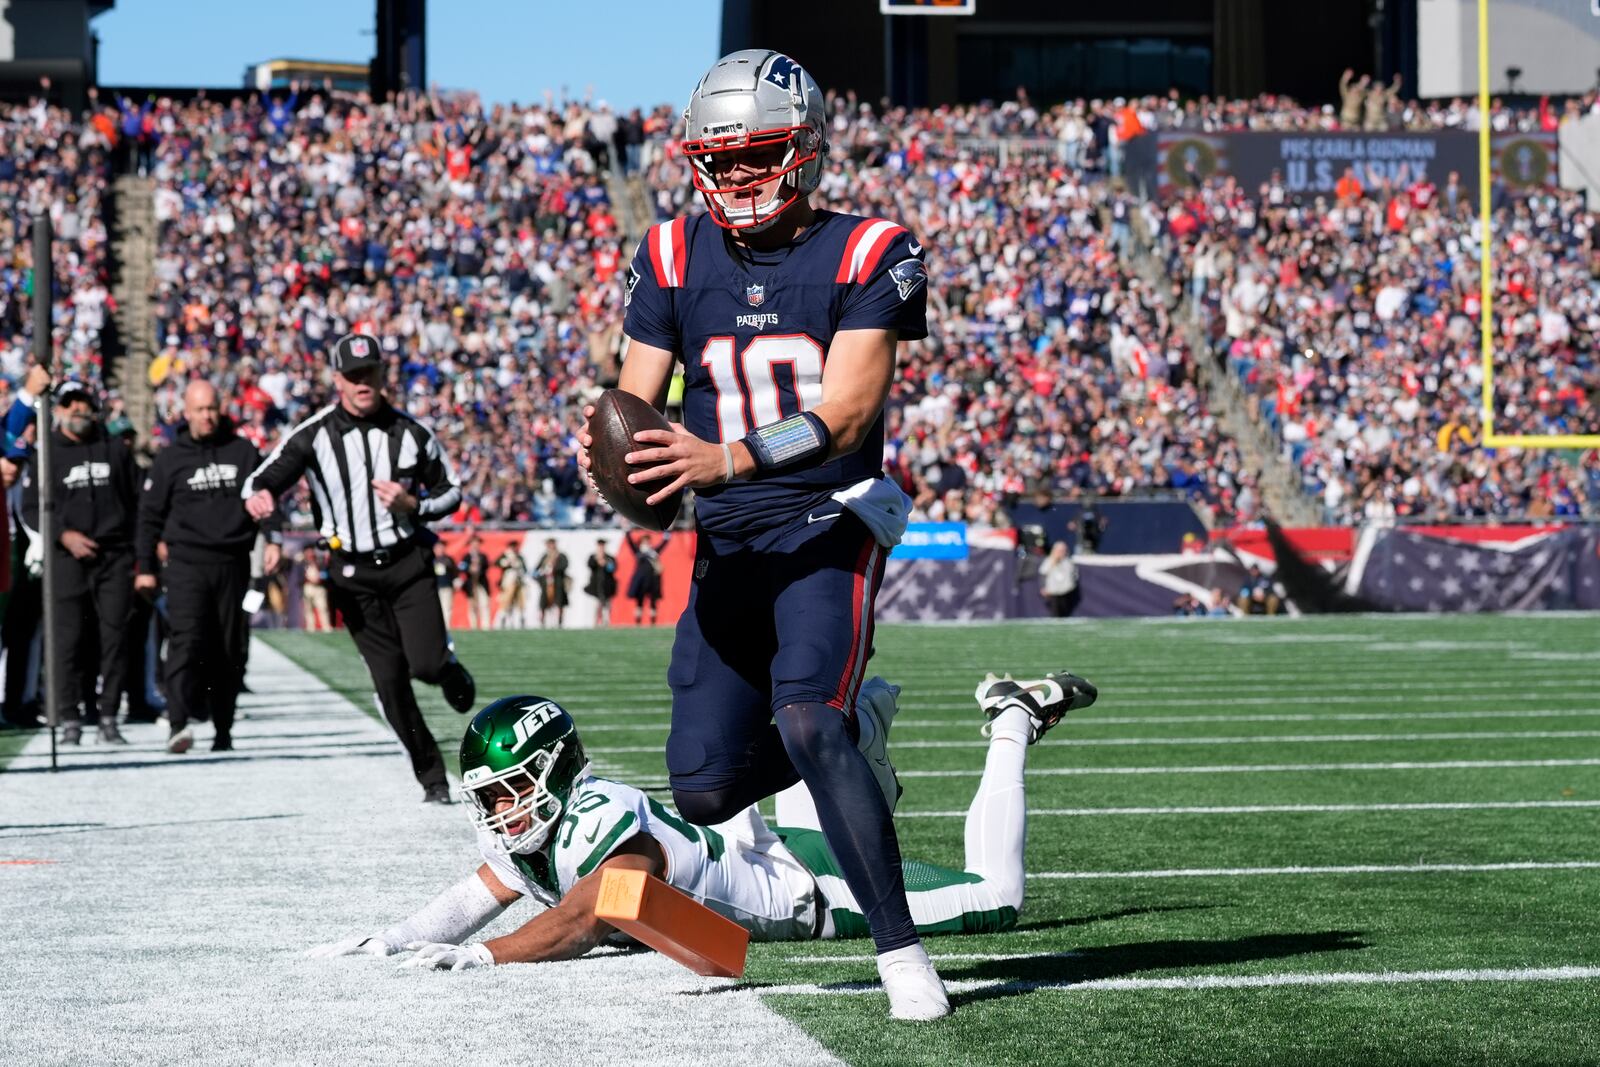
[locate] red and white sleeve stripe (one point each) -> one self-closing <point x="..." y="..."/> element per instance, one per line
<point x="667" y="242"/>
<point x="865" y="247"/>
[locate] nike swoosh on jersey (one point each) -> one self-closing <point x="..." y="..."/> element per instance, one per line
<point x="592" y="835"/>
<point x="916" y="249"/>
<point x="821" y="518"/>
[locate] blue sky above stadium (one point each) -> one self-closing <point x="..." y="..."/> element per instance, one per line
<point x="633" y="52"/>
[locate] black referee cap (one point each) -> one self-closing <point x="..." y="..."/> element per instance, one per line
<point x="356" y="352"/>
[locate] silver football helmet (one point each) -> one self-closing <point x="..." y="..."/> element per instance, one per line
<point x="761" y="102"/>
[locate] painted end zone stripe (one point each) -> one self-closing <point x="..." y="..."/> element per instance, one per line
<point x="1226" y="981"/>
<point x="1251" y="872"/>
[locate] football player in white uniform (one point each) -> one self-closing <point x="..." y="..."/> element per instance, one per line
<point x="547" y="827"/>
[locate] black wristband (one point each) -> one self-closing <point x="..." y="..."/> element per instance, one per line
<point x="797" y="443"/>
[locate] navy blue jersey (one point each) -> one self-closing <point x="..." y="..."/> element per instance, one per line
<point x="753" y="331"/>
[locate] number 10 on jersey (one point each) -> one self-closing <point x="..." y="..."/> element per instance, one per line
<point x="747" y="385"/>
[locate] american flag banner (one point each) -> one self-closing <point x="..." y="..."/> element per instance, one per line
<point x="1401" y="571"/>
<point x="982" y="586"/>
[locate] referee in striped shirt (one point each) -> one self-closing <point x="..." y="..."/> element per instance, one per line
<point x="376" y="476"/>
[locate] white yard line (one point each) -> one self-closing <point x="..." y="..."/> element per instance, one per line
<point x="656" y="719"/>
<point x="1360" y="868"/>
<point x="1280" y="809"/>
<point x="180" y="893"/>
<point x="1262" y="739"/>
<point x="1271" y="768"/>
<point x="1224" y="981"/>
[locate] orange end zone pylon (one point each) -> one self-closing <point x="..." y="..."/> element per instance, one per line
<point x="674" y="924"/>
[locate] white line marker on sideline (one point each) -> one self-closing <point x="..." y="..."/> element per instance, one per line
<point x="944" y="957"/>
<point x="1222" y="981"/>
<point x="1363" y="868"/>
<point x="1277" y="809"/>
<point x="1263" y="768"/>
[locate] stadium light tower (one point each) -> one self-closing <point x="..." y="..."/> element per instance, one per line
<point x="401" y="60"/>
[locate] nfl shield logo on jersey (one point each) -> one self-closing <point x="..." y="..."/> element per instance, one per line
<point x="755" y="294"/>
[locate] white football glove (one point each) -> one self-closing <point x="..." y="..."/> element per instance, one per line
<point x="352" y="946"/>
<point x="433" y="955"/>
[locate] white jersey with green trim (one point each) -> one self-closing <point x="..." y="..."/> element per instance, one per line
<point x="738" y="868"/>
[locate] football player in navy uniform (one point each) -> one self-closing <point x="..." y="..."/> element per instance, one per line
<point x="786" y="318"/>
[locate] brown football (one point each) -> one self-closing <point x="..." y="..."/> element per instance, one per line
<point x="617" y="417"/>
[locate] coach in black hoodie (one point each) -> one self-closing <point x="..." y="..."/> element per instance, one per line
<point x="191" y="504"/>
<point x="95" y="486"/>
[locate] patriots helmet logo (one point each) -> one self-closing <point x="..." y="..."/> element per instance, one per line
<point x="909" y="275"/>
<point x="755" y="295"/>
<point x="781" y="70"/>
<point x="627" y="292"/>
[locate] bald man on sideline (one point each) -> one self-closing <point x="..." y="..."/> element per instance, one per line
<point x="191" y="504"/>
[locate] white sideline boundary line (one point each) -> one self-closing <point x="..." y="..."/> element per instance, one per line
<point x="1223" y="981"/>
<point x="1282" y="809"/>
<point x="1359" y="868"/>
<point x="277" y="839"/>
<point x="1270" y="768"/>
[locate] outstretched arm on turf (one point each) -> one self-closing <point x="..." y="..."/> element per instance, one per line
<point x="570" y="929"/>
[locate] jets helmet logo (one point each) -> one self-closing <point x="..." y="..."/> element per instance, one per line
<point x="909" y="275"/>
<point x="536" y="717"/>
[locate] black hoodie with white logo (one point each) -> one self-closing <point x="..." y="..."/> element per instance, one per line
<point x="191" y="499"/>
<point x="96" y="489"/>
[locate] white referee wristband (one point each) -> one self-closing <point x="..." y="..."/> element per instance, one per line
<point x="727" y="455"/>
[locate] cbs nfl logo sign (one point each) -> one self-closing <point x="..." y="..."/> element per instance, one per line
<point x="755" y="295"/>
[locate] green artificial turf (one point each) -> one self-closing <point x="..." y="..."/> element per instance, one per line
<point x="1229" y="714"/>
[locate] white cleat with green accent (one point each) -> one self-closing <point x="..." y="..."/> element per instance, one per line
<point x="1046" y="701"/>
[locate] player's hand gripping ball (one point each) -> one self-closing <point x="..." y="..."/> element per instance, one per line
<point x="617" y="417"/>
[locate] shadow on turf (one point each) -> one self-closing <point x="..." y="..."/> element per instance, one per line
<point x="341" y="752"/>
<point x="1061" y="970"/>
<point x="1107" y="916"/>
<point x="1023" y="975"/>
<point x="60" y="829"/>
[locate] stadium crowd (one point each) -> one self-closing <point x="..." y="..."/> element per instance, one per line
<point x="1353" y="324"/>
<point x="482" y="247"/>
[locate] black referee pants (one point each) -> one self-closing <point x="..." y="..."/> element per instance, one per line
<point x="392" y="611"/>
<point x="91" y="613"/>
<point x="209" y="632"/>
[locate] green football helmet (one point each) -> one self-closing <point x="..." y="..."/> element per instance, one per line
<point x="524" y="748"/>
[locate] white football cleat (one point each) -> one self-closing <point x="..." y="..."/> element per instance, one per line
<point x="915" y="991"/>
<point x="876" y="706"/>
<point x="1046" y="701"/>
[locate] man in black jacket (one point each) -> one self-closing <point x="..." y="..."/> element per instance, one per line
<point x="95" y="494"/>
<point x="191" y="503"/>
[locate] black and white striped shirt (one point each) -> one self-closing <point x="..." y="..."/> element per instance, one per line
<point x="341" y="455"/>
